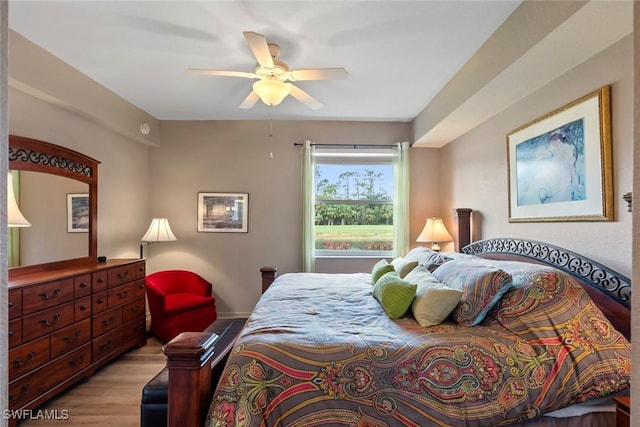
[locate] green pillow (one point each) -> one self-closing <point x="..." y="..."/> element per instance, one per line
<point x="403" y="266"/>
<point x="394" y="294"/>
<point x="381" y="268"/>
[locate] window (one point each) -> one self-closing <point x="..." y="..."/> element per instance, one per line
<point x="353" y="202"/>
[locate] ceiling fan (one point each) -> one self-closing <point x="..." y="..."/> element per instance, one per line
<point x="273" y="75"/>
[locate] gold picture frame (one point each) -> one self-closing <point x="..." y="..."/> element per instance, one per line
<point x="560" y="165"/>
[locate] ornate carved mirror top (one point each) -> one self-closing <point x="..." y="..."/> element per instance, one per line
<point x="61" y="177"/>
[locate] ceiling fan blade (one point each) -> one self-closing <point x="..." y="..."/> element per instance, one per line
<point x="224" y="73"/>
<point x="318" y="74"/>
<point x="250" y="100"/>
<point x="304" y="97"/>
<point x="259" y="47"/>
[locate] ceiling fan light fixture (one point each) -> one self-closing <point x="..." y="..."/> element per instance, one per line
<point x="270" y="91"/>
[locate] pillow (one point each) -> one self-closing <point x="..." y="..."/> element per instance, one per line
<point x="394" y="294"/>
<point x="403" y="266"/>
<point x="426" y="257"/>
<point x="433" y="301"/>
<point x="482" y="285"/>
<point x="381" y="268"/>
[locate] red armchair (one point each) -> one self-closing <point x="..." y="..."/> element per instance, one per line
<point x="179" y="301"/>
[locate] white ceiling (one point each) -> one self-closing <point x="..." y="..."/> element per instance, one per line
<point x="398" y="54"/>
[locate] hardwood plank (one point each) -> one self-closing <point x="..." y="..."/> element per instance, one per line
<point x="112" y="396"/>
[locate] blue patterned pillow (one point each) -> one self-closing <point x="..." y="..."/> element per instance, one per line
<point x="482" y="286"/>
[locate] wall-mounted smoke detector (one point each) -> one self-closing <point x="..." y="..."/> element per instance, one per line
<point x="145" y="129"/>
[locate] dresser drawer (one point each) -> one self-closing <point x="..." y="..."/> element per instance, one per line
<point x="99" y="281"/>
<point x="106" y="344"/>
<point x="140" y="287"/>
<point x="27" y="357"/>
<point x="121" y="294"/>
<point x="133" y="309"/>
<point x="28" y="387"/>
<point x="82" y="286"/>
<point x="107" y="321"/>
<point x="70" y="338"/>
<point x="99" y="302"/>
<point x="46" y="321"/>
<point x="15" y="303"/>
<point x="134" y="329"/>
<point x="141" y="270"/>
<point x="121" y="275"/>
<point x="47" y="295"/>
<point x="15" y="332"/>
<point x="82" y="309"/>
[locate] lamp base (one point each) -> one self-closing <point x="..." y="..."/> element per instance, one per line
<point x="435" y="247"/>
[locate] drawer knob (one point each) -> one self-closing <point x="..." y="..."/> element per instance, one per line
<point x="77" y="362"/>
<point x="123" y="294"/>
<point x="10" y="334"/>
<point x="123" y="276"/>
<point x="100" y="300"/>
<point x="10" y="304"/>
<point x="75" y="337"/>
<point x="23" y="393"/>
<point x="100" y="280"/>
<point x="83" y="285"/>
<point x="46" y="296"/>
<point x="83" y="307"/>
<point x="21" y="362"/>
<point x="56" y="318"/>
<point x="109" y="321"/>
<point x="105" y="346"/>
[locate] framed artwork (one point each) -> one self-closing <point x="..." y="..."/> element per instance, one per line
<point x="78" y="213"/>
<point x="223" y="212"/>
<point x="560" y="165"/>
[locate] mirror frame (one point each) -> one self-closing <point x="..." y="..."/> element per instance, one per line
<point x="29" y="154"/>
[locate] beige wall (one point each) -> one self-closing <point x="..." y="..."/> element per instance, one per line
<point x="474" y="168"/>
<point x="235" y="156"/>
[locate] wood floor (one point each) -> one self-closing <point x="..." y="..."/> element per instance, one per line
<point x="111" y="397"/>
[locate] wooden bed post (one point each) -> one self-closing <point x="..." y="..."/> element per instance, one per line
<point x="464" y="227"/>
<point x="189" y="362"/>
<point x="268" y="276"/>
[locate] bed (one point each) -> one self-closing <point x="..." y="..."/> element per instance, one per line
<point x="321" y="349"/>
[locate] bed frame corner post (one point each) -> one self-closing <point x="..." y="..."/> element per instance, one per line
<point x="268" y="276"/>
<point x="464" y="227"/>
<point x="189" y="363"/>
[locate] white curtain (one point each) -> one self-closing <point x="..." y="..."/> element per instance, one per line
<point x="401" y="199"/>
<point x="308" y="210"/>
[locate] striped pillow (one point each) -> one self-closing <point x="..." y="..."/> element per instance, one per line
<point x="482" y="286"/>
<point x="394" y="294"/>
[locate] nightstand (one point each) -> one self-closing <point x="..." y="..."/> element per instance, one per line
<point x="622" y="411"/>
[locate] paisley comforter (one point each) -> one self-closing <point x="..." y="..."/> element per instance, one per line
<point x="320" y="350"/>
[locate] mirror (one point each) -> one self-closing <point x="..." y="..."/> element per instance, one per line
<point x="58" y="195"/>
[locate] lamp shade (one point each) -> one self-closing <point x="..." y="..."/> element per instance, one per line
<point x="434" y="232"/>
<point x="159" y="231"/>
<point x="14" y="216"/>
<point x="271" y="91"/>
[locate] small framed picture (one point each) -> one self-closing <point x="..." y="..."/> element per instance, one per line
<point x="223" y="212"/>
<point x="78" y="213"/>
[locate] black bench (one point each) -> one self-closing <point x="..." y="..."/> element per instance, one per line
<point x="153" y="408"/>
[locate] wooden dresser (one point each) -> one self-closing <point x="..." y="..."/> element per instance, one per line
<point x="66" y="323"/>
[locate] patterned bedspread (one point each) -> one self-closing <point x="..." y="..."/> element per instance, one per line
<point x="320" y="350"/>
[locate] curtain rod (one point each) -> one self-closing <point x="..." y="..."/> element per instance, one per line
<point x="300" y="144"/>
